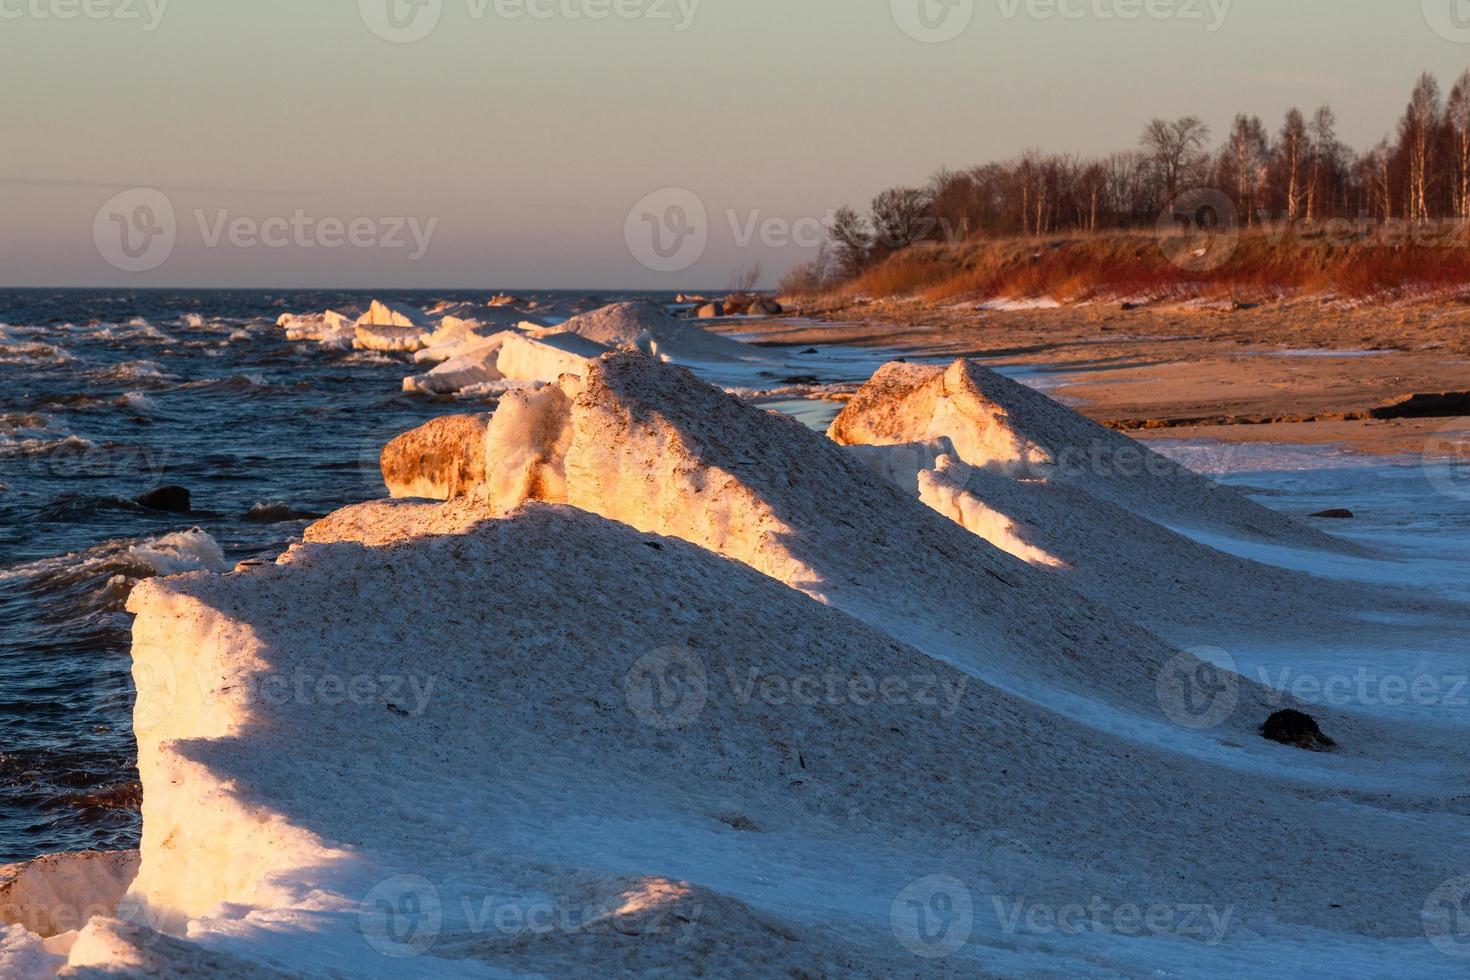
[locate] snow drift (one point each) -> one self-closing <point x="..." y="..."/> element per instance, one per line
<point x="650" y="328"/>
<point x="718" y="699"/>
<point x="1184" y="590"/>
<point x="992" y="421"/>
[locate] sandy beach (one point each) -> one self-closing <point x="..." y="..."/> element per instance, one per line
<point x="1290" y="372"/>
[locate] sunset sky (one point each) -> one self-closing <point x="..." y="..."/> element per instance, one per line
<point x="524" y="141"/>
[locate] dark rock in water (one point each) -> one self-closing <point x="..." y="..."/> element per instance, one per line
<point x="275" y="514"/>
<point x="1296" y="728"/>
<point x="1335" y="515"/>
<point x="811" y="350"/>
<point x="170" y="500"/>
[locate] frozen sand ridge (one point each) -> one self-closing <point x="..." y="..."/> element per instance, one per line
<point x="1189" y="593"/>
<point x="650" y="446"/>
<point x="523" y="764"/>
<point x="523" y="724"/>
<point x="531" y="727"/>
<point x="649" y="327"/>
<point x="992" y="421"/>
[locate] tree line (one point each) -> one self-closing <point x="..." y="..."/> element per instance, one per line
<point x="1300" y="172"/>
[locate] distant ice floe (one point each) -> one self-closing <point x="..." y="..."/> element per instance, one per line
<point x="482" y="351"/>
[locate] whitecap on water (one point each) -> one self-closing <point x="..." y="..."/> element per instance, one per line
<point x="135" y="371"/>
<point x="138" y="403"/>
<point x="101" y="577"/>
<point x="26" y="434"/>
<point x="15" y="349"/>
<point x="135" y="329"/>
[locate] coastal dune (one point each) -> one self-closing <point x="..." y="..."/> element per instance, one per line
<point x="659" y="649"/>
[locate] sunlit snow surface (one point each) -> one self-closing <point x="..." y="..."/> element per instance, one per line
<point x="1415" y="515"/>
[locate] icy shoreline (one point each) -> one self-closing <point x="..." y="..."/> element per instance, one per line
<point x="631" y="472"/>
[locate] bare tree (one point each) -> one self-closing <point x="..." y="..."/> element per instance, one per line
<point x="1294" y="150"/>
<point x="852" y="240"/>
<point x="1416" y="140"/>
<point x="1457" y="116"/>
<point x="746" y="279"/>
<point x="1326" y="158"/>
<point x="811" y="276"/>
<point x="1176" y="149"/>
<point x="1244" y="163"/>
<point x="901" y="218"/>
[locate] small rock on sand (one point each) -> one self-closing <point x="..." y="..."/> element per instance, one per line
<point x="1296" y="728"/>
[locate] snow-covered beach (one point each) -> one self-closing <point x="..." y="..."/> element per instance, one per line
<point x="665" y="681"/>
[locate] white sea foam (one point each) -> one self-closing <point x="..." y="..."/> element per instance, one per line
<point x="136" y="401"/>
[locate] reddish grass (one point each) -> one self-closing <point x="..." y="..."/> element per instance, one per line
<point x="1264" y="263"/>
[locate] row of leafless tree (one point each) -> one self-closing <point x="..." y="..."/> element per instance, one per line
<point x="1302" y="172"/>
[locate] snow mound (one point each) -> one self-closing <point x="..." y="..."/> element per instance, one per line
<point x="649" y="445"/>
<point x="382" y="314"/>
<point x="329" y="329"/>
<point x="60" y="893"/>
<point x="1176" y="586"/>
<point x="437" y="461"/>
<point x="476" y="365"/>
<point x="995" y="422"/>
<point x="545" y="357"/>
<point x="650" y="327"/>
<point x="474" y="765"/>
<point x="389" y="339"/>
<point x="24" y="956"/>
<point x="619" y="753"/>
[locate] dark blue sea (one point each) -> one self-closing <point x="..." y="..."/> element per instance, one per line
<point x="103" y="397"/>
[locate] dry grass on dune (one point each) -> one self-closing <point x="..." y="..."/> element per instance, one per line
<point x="1262" y="264"/>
